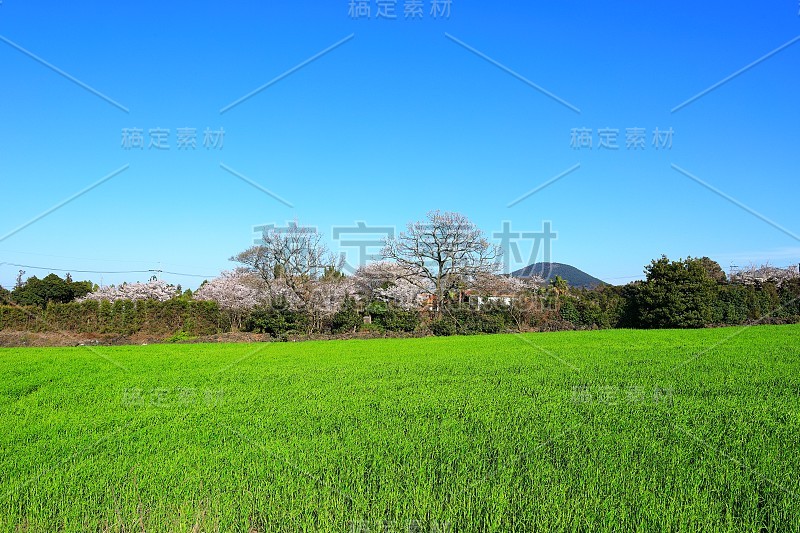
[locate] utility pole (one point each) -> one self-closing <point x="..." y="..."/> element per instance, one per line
<point x="730" y="276"/>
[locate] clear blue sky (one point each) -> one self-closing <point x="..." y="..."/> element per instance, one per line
<point x="393" y="122"/>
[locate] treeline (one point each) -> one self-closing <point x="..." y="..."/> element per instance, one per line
<point x="690" y="293"/>
<point x="52" y="288"/>
<point x="695" y="293"/>
<point x="437" y="277"/>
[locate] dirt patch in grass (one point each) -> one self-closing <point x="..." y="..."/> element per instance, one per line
<point x="10" y="339"/>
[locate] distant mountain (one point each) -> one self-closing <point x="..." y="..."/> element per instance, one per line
<point x="548" y="271"/>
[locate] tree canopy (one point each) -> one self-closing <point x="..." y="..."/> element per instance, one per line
<point x="51" y="288"/>
<point x="446" y="251"/>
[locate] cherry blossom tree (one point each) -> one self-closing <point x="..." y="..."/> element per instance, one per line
<point x="390" y="282"/>
<point x="152" y="290"/>
<point x="755" y="275"/>
<point x="236" y="292"/>
<point x="504" y="285"/>
<point x="328" y="295"/>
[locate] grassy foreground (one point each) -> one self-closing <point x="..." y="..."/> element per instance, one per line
<point x="573" y="431"/>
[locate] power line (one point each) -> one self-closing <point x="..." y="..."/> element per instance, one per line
<point x="79" y="258"/>
<point x="182" y="274"/>
<point x="81" y="271"/>
<point x="149" y="271"/>
<point x="93" y="259"/>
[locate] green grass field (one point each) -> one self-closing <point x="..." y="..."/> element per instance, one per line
<point x="573" y="431"/>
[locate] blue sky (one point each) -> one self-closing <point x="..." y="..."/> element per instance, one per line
<point x="402" y="117"/>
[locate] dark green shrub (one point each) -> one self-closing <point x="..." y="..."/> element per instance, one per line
<point x="490" y="319"/>
<point x="443" y="327"/>
<point x="374" y="328"/>
<point x="119" y="318"/>
<point x="392" y="318"/>
<point x="276" y="321"/>
<point x="347" y="319"/>
<point x="397" y="319"/>
<point x="569" y="312"/>
<point x="790" y="297"/>
<point x="19" y="318"/>
<point x="469" y="321"/>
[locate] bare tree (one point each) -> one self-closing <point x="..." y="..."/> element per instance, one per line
<point x="292" y="257"/>
<point x="446" y="251"/>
